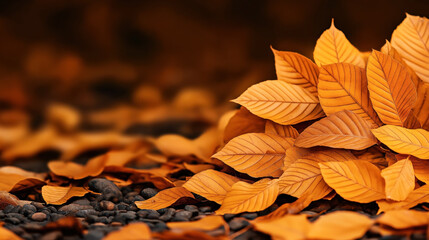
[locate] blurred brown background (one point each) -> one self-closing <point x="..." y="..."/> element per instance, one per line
<point x="95" y="53"/>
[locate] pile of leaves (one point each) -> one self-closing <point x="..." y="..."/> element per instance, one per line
<point x="352" y="126"/>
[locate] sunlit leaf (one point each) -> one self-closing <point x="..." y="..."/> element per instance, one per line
<point x="401" y="219"/>
<point x="132" y="231"/>
<point x="165" y="198"/>
<point x="281" y="130"/>
<point x="420" y="195"/>
<point x="58" y="195"/>
<point x="399" y="179"/>
<point x="288" y="227"/>
<point x="77" y="171"/>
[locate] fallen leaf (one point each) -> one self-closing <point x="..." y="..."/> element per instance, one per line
<point x="421" y="169"/>
<point x="6" y="234"/>
<point x="402" y="219"/>
<point x="281" y="130"/>
<point x="343" y="86"/>
<point x="293" y="154"/>
<point x="206" y="223"/>
<point x="245" y="197"/>
<point x="406" y="141"/>
<point x="165" y="198"/>
<point x="399" y="179"/>
<point x="58" y="195"/>
<point x="421" y="108"/>
<point x="340" y="225"/>
<point x="333" y="47"/>
<point x="196" y="168"/>
<point x="243" y="122"/>
<point x="296" y="69"/>
<point x="289" y="208"/>
<point x="280" y="102"/>
<point x="14" y="182"/>
<point x="357" y="180"/>
<point x="211" y="184"/>
<point x="289" y="227"/>
<point x="7" y="199"/>
<point x="76" y="171"/>
<point x="132" y="231"/>
<point x="257" y="154"/>
<point x="411" y="39"/>
<point x="339" y="130"/>
<point x="419" y="195"/>
<point x="391" y="89"/>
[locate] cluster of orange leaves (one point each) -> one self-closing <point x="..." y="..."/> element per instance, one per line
<point x="352" y="123"/>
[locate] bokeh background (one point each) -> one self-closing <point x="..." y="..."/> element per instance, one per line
<point x="93" y="54"/>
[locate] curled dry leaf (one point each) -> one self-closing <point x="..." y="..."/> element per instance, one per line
<point x="400" y="180"/>
<point x="391" y="89"/>
<point x="340" y="130"/>
<point x="402" y="219"/>
<point x="257" y="154"/>
<point x="340" y="225"/>
<point x="406" y="141"/>
<point x="281" y="102"/>
<point x="132" y="231"/>
<point x="288" y="227"/>
<point x="246" y="197"/>
<point x="165" y="198"/>
<point x="207" y="223"/>
<point x="58" y="195"/>
<point x="411" y="39"/>
<point x="7" y="199"/>
<point x="333" y="47"/>
<point x="296" y="69"/>
<point x="11" y="182"/>
<point x="419" y="195"/>
<point x="343" y="86"/>
<point x="76" y="171"/>
<point x="281" y="130"/>
<point x="211" y="184"/>
<point x="358" y="180"/>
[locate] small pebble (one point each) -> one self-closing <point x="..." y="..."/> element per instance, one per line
<point x="152" y="214"/>
<point x="168" y="214"/>
<point x="115" y="224"/>
<point x="159" y="227"/>
<point x="228" y="216"/>
<point x="138" y="198"/>
<point x="28" y="209"/>
<point x="21" y="217"/>
<point x="39" y="216"/>
<point x="72" y="208"/>
<point x="121" y="206"/>
<point x="237" y="224"/>
<point x="107" y="188"/>
<point x="249" y="216"/>
<point x="86" y="212"/>
<point x="191" y="208"/>
<point x="12" y="209"/>
<point x="83" y="201"/>
<point x="107" y="205"/>
<point x="38" y="205"/>
<point x="182" y="216"/>
<point x="13" y="220"/>
<point x="56" y="216"/>
<point x="142" y="213"/>
<point x="205" y="209"/>
<point x="132" y="207"/>
<point x="107" y="213"/>
<point x="55" y="235"/>
<point x="148" y="192"/>
<point x="94" y="235"/>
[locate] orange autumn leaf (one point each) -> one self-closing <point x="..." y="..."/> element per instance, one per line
<point x="406" y="141"/>
<point x="196" y="168"/>
<point x="211" y="184"/>
<point x="76" y="171"/>
<point x="243" y="122"/>
<point x="343" y="86"/>
<point x="340" y="225"/>
<point x="288" y="227"/>
<point x="132" y="231"/>
<point x="290" y="208"/>
<point x="6" y="234"/>
<point x="421" y="169"/>
<point x="357" y="181"/>
<point x="257" y="154"/>
<point x="58" y="195"/>
<point x="119" y="158"/>
<point x="281" y="130"/>
<point x="419" y="195"/>
<point x="421" y="108"/>
<point x="333" y="47"/>
<point x="165" y="198"/>
<point x="246" y="197"/>
<point x="402" y="219"/>
<point x="206" y="223"/>
<point x="13" y="182"/>
<point x="293" y="154"/>
<point x="340" y="130"/>
<point x="411" y="39"/>
<point x="280" y="102"/>
<point x="399" y="179"/>
<point x="296" y="69"/>
<point x="391" y="89"/>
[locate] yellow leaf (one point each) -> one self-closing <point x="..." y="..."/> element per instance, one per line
<point x="411" y="39"/>
<point x="399" y="179"/>
<point x="164" y="199"/>
<point x="207" y="223"/>
<point x="280" y="102"/>
<point x="357" y="180"/>
<point x="340" y="225"/>
<point x="132" y="231"/>
<point x="391" y="89"/>
<point x="340" y="130"/>
<point x="296" y="69"/>
<point x="57" y="195"/>
<point x="333" y="47"/>
<point x="343" y="86"/>
<point x="421" y="169"/>
<point x="257" y="154"/>
<point x="303" y="176"/>
<point x="420" y="195"/>
<point x="406" y="141"/>
<point x="289" y="227"/>
<point x="281" y="130"/>
<point x="245" y="197"/>
<point x="76" y="171"/>
<point x="211" y="184"/>
<point x="402" y="219"/>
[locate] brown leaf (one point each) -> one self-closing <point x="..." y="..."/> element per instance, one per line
<point x="57" y="195"/>
<point x="257" y="154"/>
<point x="288" y="227"/>
<point x="399" y="179"/>
<point x="165" y="198"/>
<point x="340" y="225"/>
<point x="281" y="130"/>
<point x="132" y="231"/>
<point x="7" y="199"/>
<point x="211" y="184"/>
<point x="76" y="171"/>
<point x="340" y="130"/>
<point x="402" y="219"/>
